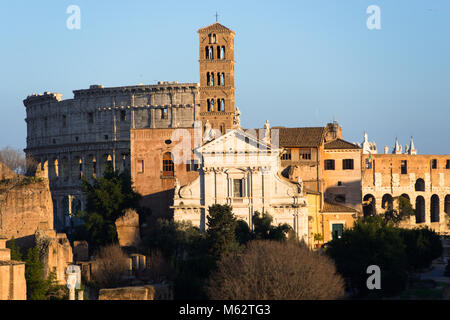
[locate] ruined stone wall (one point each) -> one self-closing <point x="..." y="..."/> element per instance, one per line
<point x="12" y="275"/>
<point x="385" y="179"/>
<point x="5" y="172"/>
<point x="24" y="205"/>
<point x="56" y="253"/>
<point x="80" y="136"/>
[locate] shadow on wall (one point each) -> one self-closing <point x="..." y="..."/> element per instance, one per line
<point x="156" y="205"/>
<point x="347" y="194"/>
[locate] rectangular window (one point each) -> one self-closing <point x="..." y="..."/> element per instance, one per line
<point x="286" y="155"/>
<point x="404" y="167"/>
<point x="329" y="164"/>
<point x="238" y="188"/>
<point x="434" y="164"/>
<point x="305" y="154"/>
<point x="447" y="165"/>
<point x="140" y="166"/>
<point x="90" y="118"/>
<point x="123" y="115"/>
<point x="347" y="164"/>
<point x="64" y="121"/>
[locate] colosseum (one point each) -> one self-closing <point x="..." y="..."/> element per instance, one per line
<point x="79" y="136"/>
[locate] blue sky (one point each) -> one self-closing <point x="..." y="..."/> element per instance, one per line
<point x="298" y="63"/>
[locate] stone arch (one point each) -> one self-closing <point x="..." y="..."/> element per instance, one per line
<point x="77" y="169"/>
<point x="105" y="161"/>
<point x="65" y="210"/>
<point x="369" y="205"/>
<point x="434" y="208"/>
<point x="76" y="205"/>
<point x="406" y="196"/>
<point x="420" y="209"/>
<point x="387" y="202"/>
<point x="65" y="168"/>
<point x="447" y="204"/>
<point x="420" y="185"/>
<point x="91" y="166"/>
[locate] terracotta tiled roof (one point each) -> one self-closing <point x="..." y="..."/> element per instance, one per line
<point x="340" y="144"/>
<point x="215" y="26"/>
<point x="334" y="207"/>
<point x="301" y="137"/>
<point x="296" y="137"/>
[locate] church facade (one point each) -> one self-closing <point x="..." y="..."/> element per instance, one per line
<point x="243" y="171"/>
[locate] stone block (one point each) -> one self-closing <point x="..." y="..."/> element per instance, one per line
<point x="128" y="229"/>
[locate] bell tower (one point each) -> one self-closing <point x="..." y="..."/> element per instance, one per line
<point x="217" y="76"/>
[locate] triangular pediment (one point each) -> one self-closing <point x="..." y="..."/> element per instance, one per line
<point x="236" y="141"/>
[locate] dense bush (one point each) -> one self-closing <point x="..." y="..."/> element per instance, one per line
<point x="422" y="247"/>
<point x="371" y="241"/>
<point x="271" y="270"/>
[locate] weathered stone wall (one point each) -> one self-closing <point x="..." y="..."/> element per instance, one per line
<point x="385" y="179"/>
<point x="5" y="172"/>
<point x="12" y="275"/>
<point x="148" y="292"/>
<point x="57" y="253"/>
<point x="24" y="205"/>
<point x="128" y="229"/>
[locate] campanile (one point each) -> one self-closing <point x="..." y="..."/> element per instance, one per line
<point x="217" y="76"/>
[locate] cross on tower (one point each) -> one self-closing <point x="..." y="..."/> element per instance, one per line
<point x="216" y="16"/>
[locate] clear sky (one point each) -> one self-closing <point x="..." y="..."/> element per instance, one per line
<point x="298" y="63"/>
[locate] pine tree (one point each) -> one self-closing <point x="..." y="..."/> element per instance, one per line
<point x="34" y="275"/>
<point x="221" y="230"/>
<point x="107" y="199"/>
<point x="15" y="250"/>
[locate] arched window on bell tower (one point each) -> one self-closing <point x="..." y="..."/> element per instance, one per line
<point x="222" y="53"/>
<point x="222" y="80"/>
<point x="212" y="79"/>
<point x="212" y="104"/>
<point x="211" y="53"/>
<point x="206" y="52"/>
<point x="208" y="79"/>
<point x="223" y="105"/>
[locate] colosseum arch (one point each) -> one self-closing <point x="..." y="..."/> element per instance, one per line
<point x="76" y="205"/>
<point x="65" y="168"/>
<point x="420" y="209"/>
<point x="90" y="166"/>
<point x="434" y="208"/>
<point x="420" y="185"/>
<point x="106" y="160"/>
<point x="369" y="205"/>
<point x="387" y="202"/>
<point x="77" y="170"/>
<point x="54" y="169"/>
<point x="406" y="196"/>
